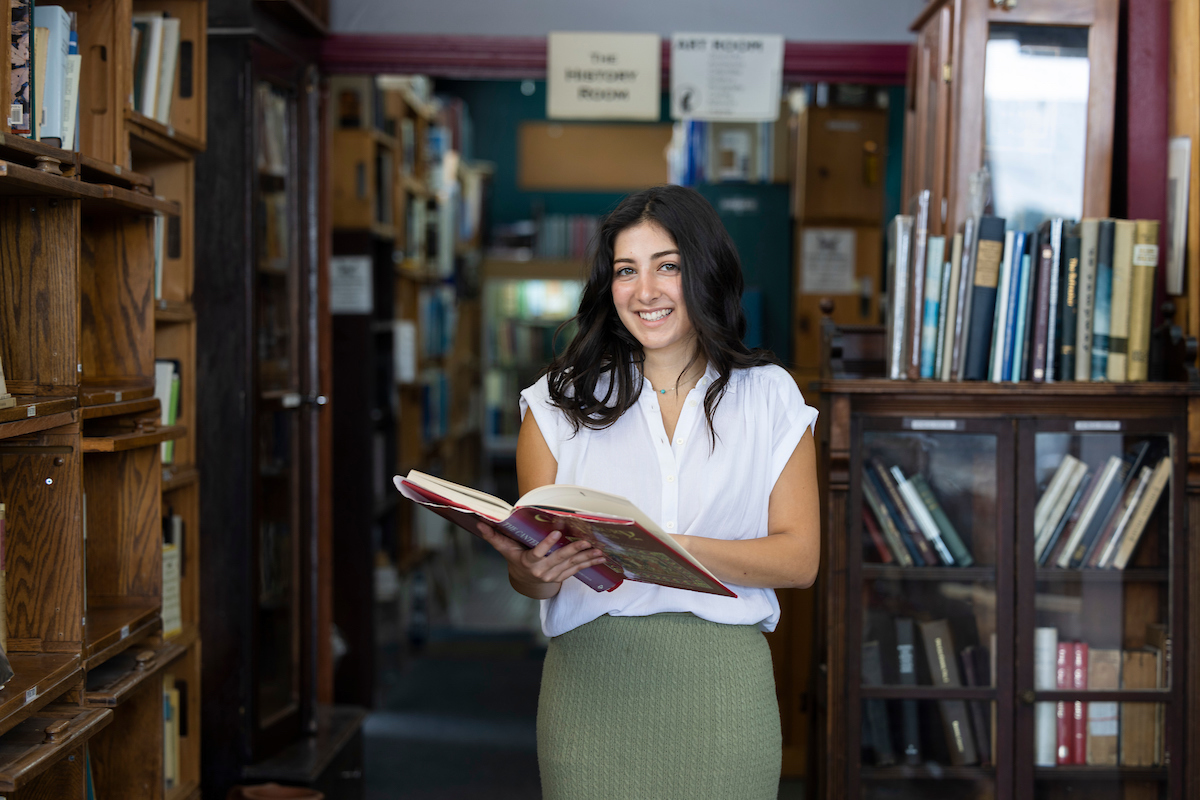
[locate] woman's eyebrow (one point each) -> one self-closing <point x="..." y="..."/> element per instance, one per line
<point x="652" y="258"/>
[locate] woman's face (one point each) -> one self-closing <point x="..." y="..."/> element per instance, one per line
<point x="647" y="290"/>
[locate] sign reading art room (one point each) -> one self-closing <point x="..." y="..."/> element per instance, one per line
<point x="726" y="76"/>
<point x="603" y="76"/>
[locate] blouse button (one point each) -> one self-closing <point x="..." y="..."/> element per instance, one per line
<point x="670" y="526"/>
<point x="679" y="440"/>
<point x="691" y="403"/>
<point x="653" y="407"/>
<point x="670" y="479"/>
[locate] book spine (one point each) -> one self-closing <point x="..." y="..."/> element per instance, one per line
<point x="1139" y="670"/>
<point x="1064" y="728"/>
<point x="1089" y="511"/>
<point x="1104" y="671"/>
<point x="943" y="318"/>
<point x="906" y="658"/>
<point x="1104" y="510"/>
<point x="899" y="249"/>
<point x="876" y="709"/>
<point x="966" y="286"/>
<point x="58" y="23"/>
<point x="1052" y="334"/>
<point x="1054" y="489"/>
<point x="1101" y="552"/>
<point x="1079" y="682"/>
<point x="890" y="492"/>
<point x="1022" y="333"/>
<point x="962" y="556"/>
<point x="1069" y="296"/>
<point x="935" y="247"/>
<point x="1041" y="326"/>
<point x="952" y="306"/>
<point x="885" y="554"/>
<point x="917" y="283"/>
<point x="1014" y="305"/>
<point x="1122" y="284"/>
<point x="1045" y="729"/>
<point x="1141" y="301"/>
<point x="21" y="68"/>
<point x="979" y="711"/>
<point x="924" y="519"/>
<point x="943" y="668"/>
<point x="983" y="297"/>
<point x="1070" y="516"/>
<point x="901" y="549"/>
<point x="1137" y="524"/>
<point x="1102" y="308"/>
<point x="1089" y="232"/>
<point x="1000" y="318"/>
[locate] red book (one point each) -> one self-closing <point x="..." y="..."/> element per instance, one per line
<point x="1062" y="711"/>
<point x="885" y="554"/>
<point x="636" y="548"/>
<point x="1079" y="682"/>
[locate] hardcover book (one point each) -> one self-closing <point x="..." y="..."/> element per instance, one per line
<point x="1122" y="283"/>
<point x="920" y="208"/>
<point x="890" y="492"/>
<point x="1068" y="305"/>
<point x="935" y="249"/>
<point x="983" y="297"/>
<point x="1004" y="294"/>
<point x="952" y="306"/>
<point x="21" y="67"/>
<point x="1139" y="670"/>
<point x="636" y="547"/>
<point x="906" y="656"/>
<point x="977" y="673"/>
<point x="962" y="308"/>
<point x="1079" y="682"/>
<point x="878" y="732"/>
<point x="1141" y="299"/>
<point x="1042" y="305"/>
<point x="1102" y="307"/>
<point x="943" y="668"/>
<point x="899" y="252"/>
<point x="1089" y="232"/>
<point x="1103" y="672"/>
<point x="902" y="548"/>
<point x="1045" y="728"/>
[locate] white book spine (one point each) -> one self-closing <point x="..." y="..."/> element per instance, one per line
<point x="996" y="369"/>
<point x="1045" y="732"/>
<point x="71" y="101"/>
<point x="1050" y="496"/>
<point x="170" y="59"/>
<point x="1118" y="531"/>
<point x="1079" y="471"/>
<point x="58" y="22"/>
<point x="150" y="68"/>
<point x="924" y="519"/>
<point x="1085" y="517"/>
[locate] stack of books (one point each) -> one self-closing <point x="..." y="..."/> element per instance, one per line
<point x="1094" y="518"/>
<point x="155" y="60"/>
<point x="907" y="526"/>
<point x="44" y="74"/>
<point x="1065" y="302"/>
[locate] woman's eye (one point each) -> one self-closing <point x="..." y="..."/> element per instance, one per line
<point x="670" y="267"/>
<point x="624" y="271"/>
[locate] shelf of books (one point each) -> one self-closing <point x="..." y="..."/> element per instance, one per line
<point x="1012" y="578"/>
<point x="99" y="341"/>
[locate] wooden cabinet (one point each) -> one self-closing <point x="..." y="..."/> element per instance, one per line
<point x="265" y="430"/>
<point x="91" y="302"/>
<point x="964" y="650"/>
<point x="1026" y="88"/>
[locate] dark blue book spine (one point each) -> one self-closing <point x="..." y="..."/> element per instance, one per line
<point x="983" y="297"/>
<point x="1102" y="310"/>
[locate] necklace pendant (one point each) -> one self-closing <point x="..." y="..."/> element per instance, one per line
<point x="662" y="391"/>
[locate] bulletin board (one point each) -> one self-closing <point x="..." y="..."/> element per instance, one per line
<point x="591" y="157"/>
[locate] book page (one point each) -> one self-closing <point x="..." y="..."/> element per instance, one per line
<point x="463" y="495"/>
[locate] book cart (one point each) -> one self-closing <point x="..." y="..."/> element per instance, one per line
<point x="86" y="490"/>
<point x="403" y="348"/>
<point x="264" y="414"/>
<point x="924" y="656"/>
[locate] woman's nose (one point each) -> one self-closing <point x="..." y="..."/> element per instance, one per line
<point x="647" y="288"/>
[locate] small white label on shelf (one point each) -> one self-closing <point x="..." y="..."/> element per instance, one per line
<point x="1098" y="425"/>
<point x="291" y="400"/>
<point x="171" y="130"/>
<point x="125" y="632"/>
<point x="116" y="397"/>
<point x="31" y="411"/>
<point x="350" y="285"/>
<point x="30" y="695"/>
<point x="933" y="424"/>
<point x="116" y="169"/>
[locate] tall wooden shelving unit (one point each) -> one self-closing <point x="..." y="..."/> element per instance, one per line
<point x="81" y="473"/>
<point x="266" y="431"/>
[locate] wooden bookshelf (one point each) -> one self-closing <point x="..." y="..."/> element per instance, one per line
<point x="81" y="469"/>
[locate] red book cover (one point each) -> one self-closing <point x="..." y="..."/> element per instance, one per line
<point x="1062" y="711"/>
<point x="636" y="548"/>
<point x="885" y="554"/>
<point x="1079" y="682"/>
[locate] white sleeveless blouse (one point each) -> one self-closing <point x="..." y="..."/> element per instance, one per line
<point x="684" y="485"/>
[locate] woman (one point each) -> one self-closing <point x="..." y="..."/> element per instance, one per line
<point x="648" y="691"/>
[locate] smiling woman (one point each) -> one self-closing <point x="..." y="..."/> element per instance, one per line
<point x="658" y="400"/>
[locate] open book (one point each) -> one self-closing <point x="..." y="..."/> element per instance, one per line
<point x="637" y="549"/>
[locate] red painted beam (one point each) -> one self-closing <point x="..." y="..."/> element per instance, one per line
<point x="525" y="57"/>
<point x="1148" y="44"/>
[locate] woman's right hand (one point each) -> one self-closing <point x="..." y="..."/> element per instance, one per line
<point x="537" y="572"/>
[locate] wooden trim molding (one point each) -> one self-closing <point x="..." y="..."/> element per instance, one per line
<point x="525" y="57"/>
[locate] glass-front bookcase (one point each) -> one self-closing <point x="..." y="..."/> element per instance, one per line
<point x="1005" y="576"/>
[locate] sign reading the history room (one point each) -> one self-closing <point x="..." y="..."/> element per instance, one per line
<point x="603" y="76"/>
<point x="733" y="77"/>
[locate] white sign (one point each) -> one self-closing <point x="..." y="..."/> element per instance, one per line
<point x="350" y="285"/>
<point x="827" y="261"/>
<point x="726" y="76"/>
<point x="604" y="76"/>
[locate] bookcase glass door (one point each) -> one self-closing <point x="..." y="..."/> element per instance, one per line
<point x="1098" y="562"/>
<point x="935" y="565"/>
<point x="278" y="348"/>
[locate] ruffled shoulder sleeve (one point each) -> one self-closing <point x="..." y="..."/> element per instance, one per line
<point x="790" y="416"/>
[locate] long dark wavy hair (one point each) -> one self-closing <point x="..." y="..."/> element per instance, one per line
<point x="712" y="292"/>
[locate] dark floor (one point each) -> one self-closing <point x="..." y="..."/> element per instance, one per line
<point x="457" y="720"/>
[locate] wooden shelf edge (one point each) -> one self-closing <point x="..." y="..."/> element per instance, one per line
<point x="39" y="415"/>
<point x="122" y="407"/>
<point x="16" y="179"/>
<point x="121" y="442"/>
<point x="30" y="149"/>
<point x="47" y="674"/>
<point x="156" y="133"/>
<point x="113" y="172"/>
<point x="968" y="388"/>
<point x="95" y="393"/>
<point x="128" y="626"/>
<point x="128" y="684"/>
<point x="174" y="311"/>
<point x="33" y="762"/>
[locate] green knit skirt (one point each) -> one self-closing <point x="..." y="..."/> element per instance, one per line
<point x="661" y="707"/>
